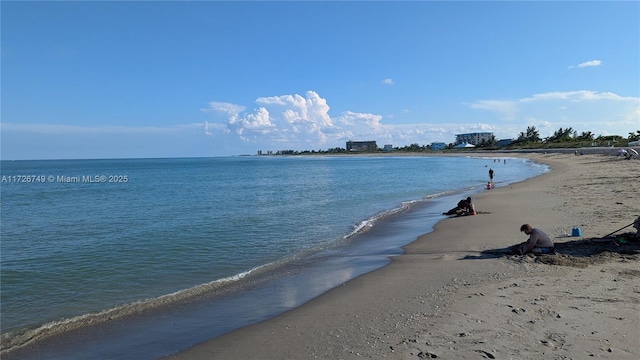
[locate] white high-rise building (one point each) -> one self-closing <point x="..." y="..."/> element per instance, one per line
<point x="474" y="138"/>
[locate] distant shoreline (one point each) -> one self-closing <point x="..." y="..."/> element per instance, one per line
<point x="475" y="152"/>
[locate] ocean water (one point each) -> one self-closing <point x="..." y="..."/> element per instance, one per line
<point x="112" y="238"/>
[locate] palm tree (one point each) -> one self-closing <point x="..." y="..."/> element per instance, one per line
<point x="531" y="135"/>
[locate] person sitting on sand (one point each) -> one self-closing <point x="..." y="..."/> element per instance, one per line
<point x="465" y="207"/>
<point x="538" y="243"/>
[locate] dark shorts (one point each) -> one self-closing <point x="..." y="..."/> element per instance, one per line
<point x="547" y="250"/>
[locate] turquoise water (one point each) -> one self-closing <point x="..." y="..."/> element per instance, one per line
<point x="83" y="236"/>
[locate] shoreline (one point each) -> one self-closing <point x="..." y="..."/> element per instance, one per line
<point x="431" y="299"/>
<point x="346" y="258"/>
<point x="61" y="337"/>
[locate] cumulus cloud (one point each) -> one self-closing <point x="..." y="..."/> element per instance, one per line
<point x="388" y="81"/>
<point x="303" y="122"/>
<point x="293" y="119"/>
<point x="589" y="63"/>
<point x="311" y="109"/>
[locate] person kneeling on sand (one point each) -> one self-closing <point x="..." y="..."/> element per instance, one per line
<point x="464" y="207"/>
<point x="539" y="243"/>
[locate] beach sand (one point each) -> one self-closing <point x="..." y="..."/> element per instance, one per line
<point x="457" y="293"/>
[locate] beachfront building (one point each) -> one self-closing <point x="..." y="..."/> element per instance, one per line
<point x="438" y="146"/>
<point x="387" y="147"/>
<point x="361" y="145"/>
<point x="464" y="145"/>
<point x="474" y="138"/>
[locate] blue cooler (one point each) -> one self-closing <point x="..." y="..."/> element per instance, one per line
<point x="576" y="231"/>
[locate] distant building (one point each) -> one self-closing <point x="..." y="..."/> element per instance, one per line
<point x="388" y="147"/>
<point x="464" y="145"/>
<point x="438" y="146"/>
<point x="474" y="138"/>
<point x="361" y="146"/>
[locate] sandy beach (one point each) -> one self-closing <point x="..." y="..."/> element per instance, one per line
<point x="458" y="292"/>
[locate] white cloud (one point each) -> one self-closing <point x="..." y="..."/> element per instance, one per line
<point x="388" y="81"/>
<point x="310" y="109"/>
<point x="292" y="119"/>
<point x="584" y="110"/>
<point x="225" y="107"/>
<point x="589" y="63"/>
<point x="259" y="121"/>
<point x="303" y="122"/>
<point x="510" y="108"/>
<point x="580" y="95"/>
<point x="370" y="121"/>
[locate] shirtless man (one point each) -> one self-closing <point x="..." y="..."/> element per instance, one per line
<point x="538" y="243"/>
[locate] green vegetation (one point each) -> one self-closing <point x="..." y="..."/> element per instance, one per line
<point x="528" y="139"/>
<point x="568" y="138"/>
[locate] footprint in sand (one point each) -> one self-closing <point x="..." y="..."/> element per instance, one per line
<point x="486" y="354"/>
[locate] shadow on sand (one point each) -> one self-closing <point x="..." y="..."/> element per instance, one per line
<point x="576" y="253"/>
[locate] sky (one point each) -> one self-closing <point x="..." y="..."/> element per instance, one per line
<point x="156" y="79"/>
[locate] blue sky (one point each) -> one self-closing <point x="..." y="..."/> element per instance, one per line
<point x="175" y="79"/>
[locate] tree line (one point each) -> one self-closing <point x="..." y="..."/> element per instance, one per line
<point x="569" y="135"/>
<point x="530" y="138"/>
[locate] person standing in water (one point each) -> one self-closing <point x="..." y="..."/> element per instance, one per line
<point x="491" y="175"/>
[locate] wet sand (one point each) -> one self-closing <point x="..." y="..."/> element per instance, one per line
<point x="458" y="292"/>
